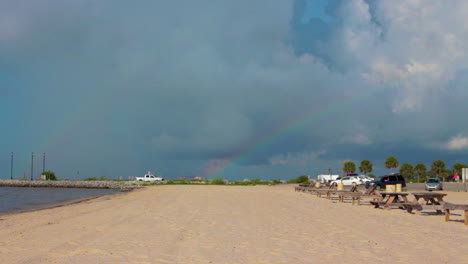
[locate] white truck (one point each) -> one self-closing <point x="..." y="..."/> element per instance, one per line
<point x="323" y="178"/>
<point x="149" y="177"/>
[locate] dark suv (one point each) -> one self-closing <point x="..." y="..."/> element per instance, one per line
<point x="382" y="181"/>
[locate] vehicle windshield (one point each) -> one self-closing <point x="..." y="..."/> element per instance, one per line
<point x="433" y="181"/>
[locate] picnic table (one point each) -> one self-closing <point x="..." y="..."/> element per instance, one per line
<point x="427" y="201"/>
<point x="391" y="199"/>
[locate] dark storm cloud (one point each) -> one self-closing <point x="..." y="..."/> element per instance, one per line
<point x="152" y="84"/>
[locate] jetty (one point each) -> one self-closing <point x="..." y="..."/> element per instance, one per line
<point x="122" y="185"/>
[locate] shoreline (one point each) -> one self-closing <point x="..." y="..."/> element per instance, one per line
<point x="17" y="201"/>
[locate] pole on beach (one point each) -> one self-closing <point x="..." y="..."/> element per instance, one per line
<point x="32" y="165"/>
<point x="11" y="172"/>
<point x="43" y="162"/>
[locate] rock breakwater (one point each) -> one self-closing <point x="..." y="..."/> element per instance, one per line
<point x="123" y="185"/>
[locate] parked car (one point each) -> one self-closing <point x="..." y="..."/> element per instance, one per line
<point x="365" y="179"/>
<point x="434" y="184"/>
<point x="382" y="181"/>
<point x="348" y="180"/>
<point x="149" y="177"/>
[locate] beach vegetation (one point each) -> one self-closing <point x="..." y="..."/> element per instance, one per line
<point x="49" y="175"/>
<point x="222" y="181"/>
<point x="102" y="178"/>
<point x="349" y="167"/>
<point x="420" y="169"/>
<point x="304" y="179"/>
<point x="366" y="166"/>
<point x="178" y="182"/>
<point x="407" y="170"/>
<point x="218" y="181"/>
<point x="391" y="163"/>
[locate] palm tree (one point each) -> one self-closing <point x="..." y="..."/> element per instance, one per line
<point x="420" y="169"/>
<point x="366" y="166"/>
<point x="438" y="166"/>
<point x="391" y="163"/>
<point x="349" y="167"/>
<point x="407" y="169"/>
<point x="457" y="167"/>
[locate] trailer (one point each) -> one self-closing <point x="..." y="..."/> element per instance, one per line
<point x="323" y="178"/>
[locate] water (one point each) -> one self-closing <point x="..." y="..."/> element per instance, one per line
<point x="18" y="199"/>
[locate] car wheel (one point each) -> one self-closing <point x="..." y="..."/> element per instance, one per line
<point x="367" y="185"/>
<point x="334" y="184"/>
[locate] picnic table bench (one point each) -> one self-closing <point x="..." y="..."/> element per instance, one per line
<point x="426" y="201"/>
<point x="450" y="206"/>
<point x="333" y="191"/>
<point x="391" y="199"/>
<point x="371" y="192"/>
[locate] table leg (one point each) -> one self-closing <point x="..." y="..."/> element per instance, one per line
<point x="447" y="215"/>
<point x="433" y="201"/>
<point x="389" y="201"/>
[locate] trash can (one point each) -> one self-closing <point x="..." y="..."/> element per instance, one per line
<point x="399" y="187"/>
<point x="390" y="188"/>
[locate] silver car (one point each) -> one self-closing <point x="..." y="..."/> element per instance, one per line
<point x="434" y="184"/>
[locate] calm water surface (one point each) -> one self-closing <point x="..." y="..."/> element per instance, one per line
<point x="17" y="199"/>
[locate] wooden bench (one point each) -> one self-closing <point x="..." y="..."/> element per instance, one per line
<point x="355" y="197"/>
<point x="450" y="206"/>
<point x="339" y="192"/>
<point x="358" y="196"/>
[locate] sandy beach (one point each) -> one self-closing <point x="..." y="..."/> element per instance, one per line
<point x="230" y="224"/>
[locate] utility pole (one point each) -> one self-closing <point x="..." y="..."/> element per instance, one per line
<point x="43" y="162"/>
<point x="32" y="165"/>
<point x="11" y="173"/>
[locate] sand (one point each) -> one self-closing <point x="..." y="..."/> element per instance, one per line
<point x="230" y="224"/>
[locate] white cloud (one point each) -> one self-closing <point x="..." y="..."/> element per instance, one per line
<point x="359" y="139"/>
<point x="457" y="143"/>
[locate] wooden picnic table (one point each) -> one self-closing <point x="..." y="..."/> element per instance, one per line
<point x="428" y="201"/>
<point x="391" y="199"/>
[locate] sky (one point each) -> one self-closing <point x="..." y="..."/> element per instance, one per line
<point x="235" y="89"/>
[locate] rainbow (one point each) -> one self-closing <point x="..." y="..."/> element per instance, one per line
<point x="285" y="127"/>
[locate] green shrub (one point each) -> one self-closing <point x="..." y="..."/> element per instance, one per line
<point x="218" y="181"/>
<point x="301" y="179"/>
<point x="102" y="178"/>
<point x="50" y="175"/>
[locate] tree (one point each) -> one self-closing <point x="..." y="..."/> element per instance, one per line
<point x="366" y="166"/>
<point x="349" y="167"/>
<point x="407" y="169"/>
<point x="420" y="169"/>
<point x="391" y="163"/>
<point x="457" y="167"/>
<point x="50" y="175"/>
<point x="438" y="166"/>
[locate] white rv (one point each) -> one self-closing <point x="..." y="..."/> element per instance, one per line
<point x="323" y="178"/>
